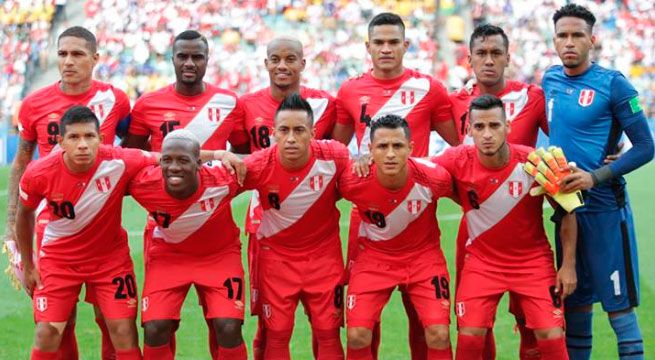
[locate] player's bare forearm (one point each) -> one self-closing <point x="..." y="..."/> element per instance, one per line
<point x="135" y="141"/>
<point x="447" y="131"/>
<point x="25" y="233"/>
<point x="22" y="159"/>
<point x="567" y="277"/>
<point x="343" y="133"/>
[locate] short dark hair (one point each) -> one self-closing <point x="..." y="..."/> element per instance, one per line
<point x="390" y="121"/>
<point x="486" y="30"/>
<point x="78" y="114"/>
<point x="82" y="33"/>
<point x="191" y="35"/>
<point x="386" y="18"/>
<point x="486" y="102"/>
<point x="575" y="10"/>
<point x="294" y="101"/>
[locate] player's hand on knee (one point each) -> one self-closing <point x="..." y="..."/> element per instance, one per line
<point x="567" y="280"/>
<point x="362" y="165"/>
<point x="32" y="279"/>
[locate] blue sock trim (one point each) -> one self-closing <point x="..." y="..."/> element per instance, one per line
<point x="628" y="335"/>
<point x="578" y="335"/>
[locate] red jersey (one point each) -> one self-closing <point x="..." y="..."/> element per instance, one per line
<point x="210" y="116"/>
<point x="418" y="98"/>
<point x="41" y="111"/>
<point x="299" y="212"/>
<point x="199" y="225"/>
<point x="256" y="127"/>
<point x="504" y="223"/>
<point x="524" y="109"/>
<point x="84" y="209"/>
<point x="398" y="224"/>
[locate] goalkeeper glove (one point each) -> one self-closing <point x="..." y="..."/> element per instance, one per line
<point x="549" y="168"/>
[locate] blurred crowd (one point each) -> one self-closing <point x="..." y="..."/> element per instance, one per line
<point x="135" y="38"/>
<point x="24" y="35"/>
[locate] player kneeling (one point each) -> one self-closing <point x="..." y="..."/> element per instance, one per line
<point x="507" y="249"/>
<point x="83" y="242"/>
<point x="194" y="242"/>
<point x="400" y="240"/>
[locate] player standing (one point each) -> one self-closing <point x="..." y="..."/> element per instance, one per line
<point x="299" y="250"/>
<point x="83" y="242"/>
<point x="285" y="63"/>
<point x="588" y="108"/>
<point x="526" y="112"/>
<point x="39" y="118"/>
<point x="390" y="88"/>
<point x="195" y="242"/>
<point x="398" y="240"/>
<point x="507" y="249"/>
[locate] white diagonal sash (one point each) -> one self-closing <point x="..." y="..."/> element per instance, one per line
<point x="319" y="105"/>
<point x="194" y="217"/>
<point x="89" y="204"/>
<point x="102" y="104"/>
<point x="202" y="126"/>
<point x="298" y="201"/>
<point x="514" y="102"/>
<point x="399" y="218"/>
<point x="413" y="91"/>
<point x="498" y="205"/>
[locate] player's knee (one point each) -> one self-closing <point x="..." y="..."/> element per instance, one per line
<point x="228" y="332"/>
<point x="359" y="337"/>
<point x="472" y="331"/>
<point x="550" y="333"/>
<point x="47" y="336"/>
<point x="123" y="333"/>
<point x="437" y="336"/>
<point x="158" y="332"/>
<point x="578" y="309"/>
<point x="613" y="314"/>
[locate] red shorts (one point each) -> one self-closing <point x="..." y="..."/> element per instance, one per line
<point x="425" y="281"/>
<point x="112" y="284"/>
<point x="460" y="252"/>
<point x="480" y="289"/>
<point x="218" y="279"/>
<point x="316" y="281"/>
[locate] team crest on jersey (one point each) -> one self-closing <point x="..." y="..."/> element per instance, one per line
<point x="266" y="308"/>
<point x="586" y="97"/>
<point x="103" y="184"/>
<point x="316" y="182"/>
<point x="407" y="97"/>
<point x="351" y="301"/>
<point x="41" y="303"/>
<point x="515" y="189"/>
<point x="145" y="303"/>
<point x="98" y="109"/>
<point x="414" y="206"/>
<point x="213" y="114"/>
<point x="510" y="109"/>
<point x="207" y="204"/>
<point x="460" y="309"/>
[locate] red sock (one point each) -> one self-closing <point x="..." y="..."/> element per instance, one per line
<point x="329" y="344"/>
<point x="469" y="347"/>
<point x="440" y="354"/>
<point x="360" y="354"/>
<point x="236" y="353"/>
<point x="108" y="350"/>
<point x="489" y="352"/>
<point x="417" y="345"/>
<point x="528" y="348"/>
<point x="44" y="355"/>
<point x="259" y="342"/>
<point x="131" y="354"/>
<point x="553" y="349"/>
<point x="68" y="346"/>
<point x="375" y="340"/>
<point x="277" y="345"/>
<point x="157" y="352"/>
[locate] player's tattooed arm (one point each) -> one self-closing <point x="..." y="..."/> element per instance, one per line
<point x="23" y="157"/>
<point x="233" y="162"/>
<point x="343" y="133"/>
<point x="566" y="276"/>
<point x="25" y="234"/>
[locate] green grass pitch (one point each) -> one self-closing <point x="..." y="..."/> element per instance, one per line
<point x="16" y="322"/>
